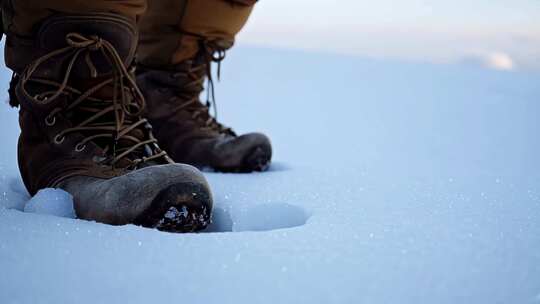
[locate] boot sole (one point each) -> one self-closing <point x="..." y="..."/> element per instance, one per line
<point x="179" y="208"/>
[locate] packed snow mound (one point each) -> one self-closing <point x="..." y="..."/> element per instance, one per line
<point x="52" y="202"/>
<point x="13" y="193"/>
<point x="392" y="182"/>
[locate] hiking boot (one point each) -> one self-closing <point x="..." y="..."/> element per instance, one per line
<point x="82" y="129"/>
<point x="184" y="126"/>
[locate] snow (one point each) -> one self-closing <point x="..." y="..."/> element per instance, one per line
<point x="393" y="182"/>
<point x="52" y="202"/>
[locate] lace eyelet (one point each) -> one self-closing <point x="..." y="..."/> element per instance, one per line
<point x="43" y="99"/>
<point x="80" y="148"/>
<point x="58" y="139"/>
<point x="175" y="75"/>
<point x="50" y="122"/>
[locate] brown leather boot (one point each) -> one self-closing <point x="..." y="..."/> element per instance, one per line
<point x="184" y="126"/>
<point x="82" y="130"/>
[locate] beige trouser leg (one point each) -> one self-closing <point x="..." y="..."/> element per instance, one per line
<point x="171" y="30"/>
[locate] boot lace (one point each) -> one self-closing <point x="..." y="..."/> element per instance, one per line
<point x="113" y="122"/>
<point x="187" y="94"/>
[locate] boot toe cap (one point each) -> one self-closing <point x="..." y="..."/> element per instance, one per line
<point x="143" y="197"/>
<point x="245" y="153"/>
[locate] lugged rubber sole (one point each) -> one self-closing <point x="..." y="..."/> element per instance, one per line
<point x="184" y="207"/>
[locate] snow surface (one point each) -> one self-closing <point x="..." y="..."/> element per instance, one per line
<point x="393" y="182"/>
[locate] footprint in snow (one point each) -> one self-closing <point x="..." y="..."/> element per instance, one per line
<point x="263" y="217"/>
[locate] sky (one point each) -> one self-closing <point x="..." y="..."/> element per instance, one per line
<point x="504" y="35"/>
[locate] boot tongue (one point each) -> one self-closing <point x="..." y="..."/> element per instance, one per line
<point x="116" y="30"/>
